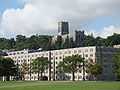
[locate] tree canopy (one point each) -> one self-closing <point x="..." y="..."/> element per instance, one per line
<point x="7" y="67"/>
<point x="117" y="65"/>
<point x="42" y="41"/>
<point x="39" y="65"/>
<point x="94" y="70"/>
<point x="71" y="64"/>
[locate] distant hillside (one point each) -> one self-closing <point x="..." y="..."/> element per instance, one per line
<point x="43" y="41"/>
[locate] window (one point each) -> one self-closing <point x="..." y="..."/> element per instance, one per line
<point x="91" y="50"/>
<point x="10" y="54"/>
<point x="105" y="66"/>
<point x="51" y="53"/>
<point x="91" y="60"/>
<point x="42" y="55"/>
<point x="69" y="52"/>
<point x="24" y="60"/>
<point x="75" y="51"/>
<point x="60" y="57"/>
<point x="79" y="77"/>
<point x="79" y="51"/>
<point x="56" y="57"/>
<point x="86" y="55"/>
<point x="56" y="53"/>
<point x="46" y="54"/>
<point x="86" y="71"/>
<point x="65" y="52"/>
<point x="17" y="52"/>
<point x="80" y="71"/>
<point x="14" y="53"/>
<point x="86" y="50"/>
<point x="60" y="53"/>
<point x="57" y="67"/>
<point x="91" y="55"/>
<point x="51" y="58"/>
<point x="56" y="62"/>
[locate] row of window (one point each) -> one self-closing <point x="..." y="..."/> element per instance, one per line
<point x="56" y="52"/>
<point x="16" y="53"/>
<point x="74" y="51"/>
<point x="60" y="57"/>
<point x="76" y="77"/>
<point x="56" y="58"/>
<point x="21" y="61"/>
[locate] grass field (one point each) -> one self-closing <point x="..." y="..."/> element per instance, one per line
<point x="37" y="85"/>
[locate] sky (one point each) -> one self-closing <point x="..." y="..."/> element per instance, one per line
<point x="28" y="17"/>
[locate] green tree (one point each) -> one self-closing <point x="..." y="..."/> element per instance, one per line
<point x="99" y="41"/>
<point x="89" y="41"/>
<point x="71" y="64"/>
<point x="117" y="65"/>
<point x="12" y="43"/>
<point x="39" y="65"/>
<point x="94" y="70"/>
<point x="20" y="42"/>
<point x="24" y="70"/>
<point x="60" y="71"/>
<point x="113" y="40"/>
<point x="66" y="43"/>
<point x="4" y="43"/>
<point x="7" y="68"/>
<point x="59" y="42"/>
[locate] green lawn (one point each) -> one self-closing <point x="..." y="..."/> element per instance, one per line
<point x="81" y="85"/>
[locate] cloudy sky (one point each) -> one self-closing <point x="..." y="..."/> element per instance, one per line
<point x="28" y="17"/>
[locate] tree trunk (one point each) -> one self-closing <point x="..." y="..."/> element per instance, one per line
<point x="7" y="78"/>
<point x="41" y="77"/>
<point x="24" y="77"/>
<point x="38" y="75"/>
<point x="30" y="75"/>
<point x="30" y="70"/>
<point x="95" y="78"/>
<point x="3" y="78"/>
<point x="73" y="76"/>
<point x="83" y="71"/>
